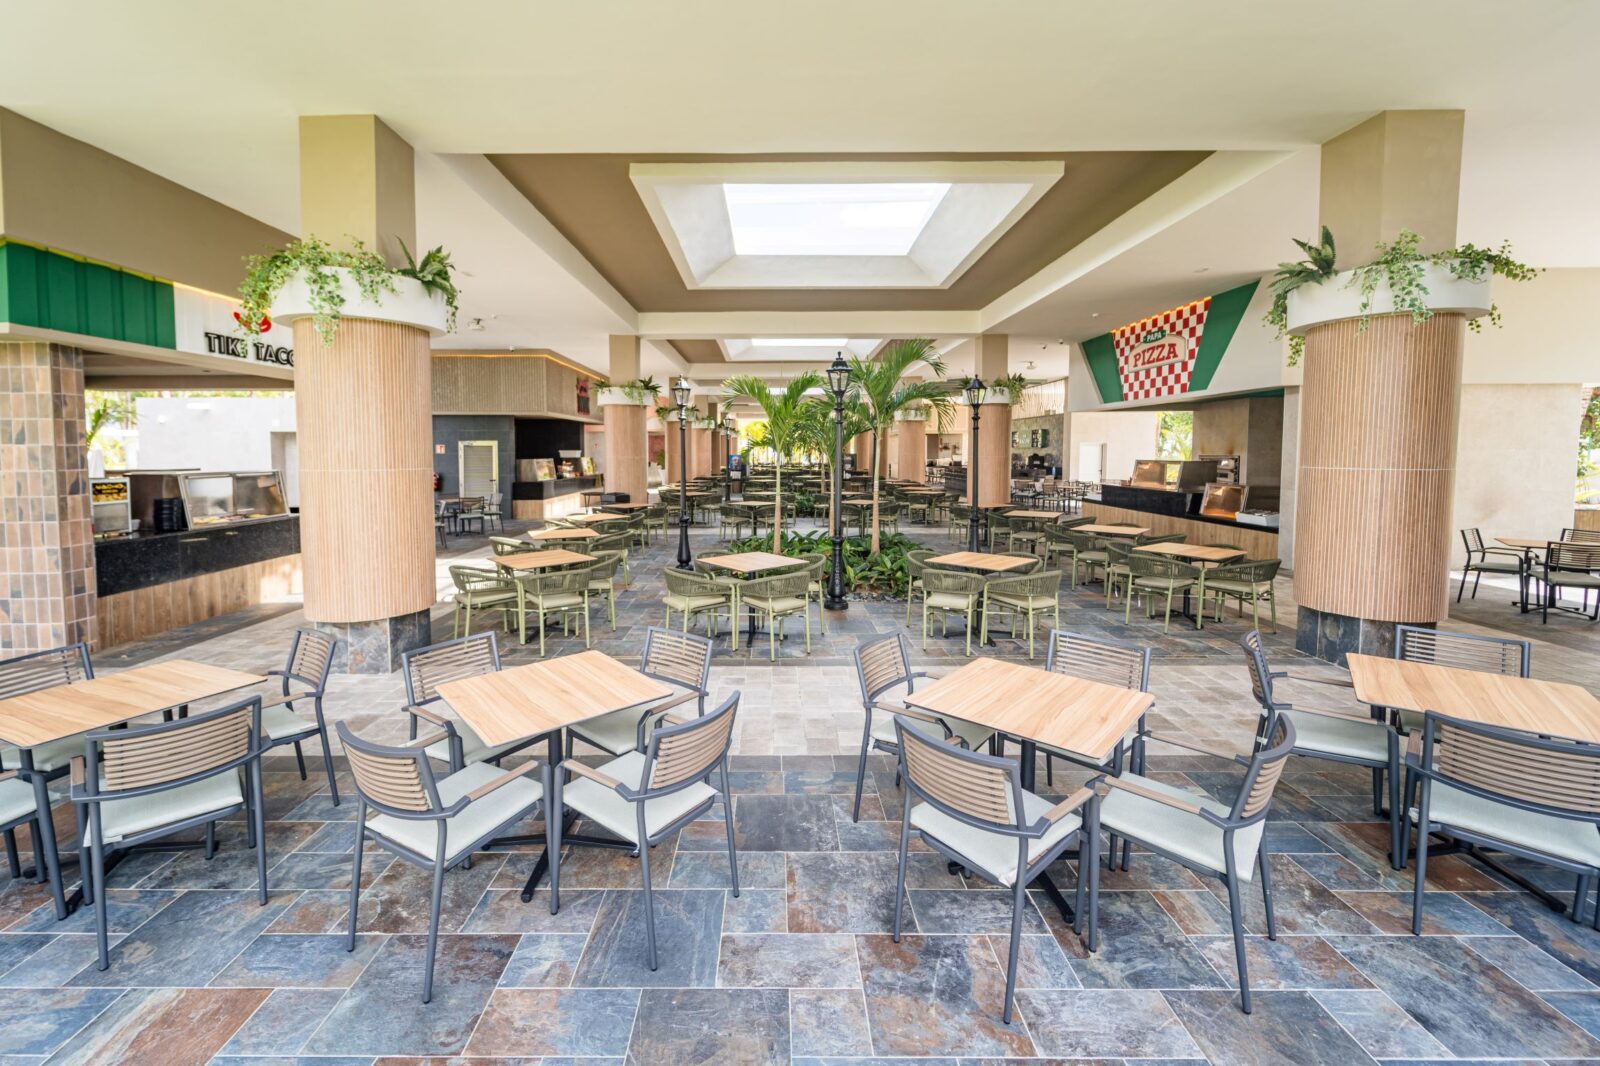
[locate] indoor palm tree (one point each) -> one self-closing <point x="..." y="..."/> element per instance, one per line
<point x="881" y="387"/>
<point x="784" y="419"/>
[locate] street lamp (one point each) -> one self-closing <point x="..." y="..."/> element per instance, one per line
<point x="681" y="393"/>
<point x="838" y="382"/>
<point x="974" y="390"/>
<point x="730" y="429"/>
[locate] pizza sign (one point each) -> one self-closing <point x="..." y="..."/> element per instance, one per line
<point x="1158" y="348"/>
<point x="1155" y="356"/>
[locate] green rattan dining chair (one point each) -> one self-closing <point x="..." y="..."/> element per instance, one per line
<point x="776" y="598"/>
<point x="1248" y="582"/>
<point x="562" y="593"/>
<point x="603" y="580"/>
<point x="507" y="545"/>
<point x="951" y="592"/>
<point x="1087" y="553"/>
<point x="916" y="561"/>
<point x="1023" y="599"/>
<point x="692" y="594"/>
<point x="478" y="589"/>
<point x="1150" y="576"/>
<point x="1116" y="570"/>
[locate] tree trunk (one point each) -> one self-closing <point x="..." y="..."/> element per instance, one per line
<point x="876" y="538"/>
<point x="777" y="509"/>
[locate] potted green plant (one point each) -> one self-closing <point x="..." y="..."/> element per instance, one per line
<point x="640" y="392"/>
<point x="311" y="279"/>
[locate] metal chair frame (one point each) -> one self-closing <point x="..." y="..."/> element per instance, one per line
<point x="1472" y="539"/>
<point x="303" y="653"/>
<point x="666" y="658"/>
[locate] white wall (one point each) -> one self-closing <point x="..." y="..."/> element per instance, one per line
<point x="1127" y="435"/>
<point x="212" y="433"/>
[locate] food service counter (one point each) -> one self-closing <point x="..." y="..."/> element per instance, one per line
<point x="147" y="582"/>
<point x="554" y="498"/>
<point x="1167" y="511"/>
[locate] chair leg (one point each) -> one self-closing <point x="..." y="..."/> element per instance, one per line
<point x="649" y="900"/>
<point x="1397" y="812"/>
<point x="98" y="872"/>
<point x="300" y="760"/>
<point x="1236" y="916"/>
<point x="258" y="816"/>
<point x="355" y="876"/>
<point x="1017" y="897"/>
<point x="1422" y="874"/>
<point x="46" y="844"/>
<point x="435" y="905"/>
<point x="861" y="767"/>
<point x="1265" y="862"/>
<point x="211" y="840"/>
<point x="327" y="754"/>
<point x="13" y="864"/>
<point x="727" y="817"/>
<point x="900" y="876"/>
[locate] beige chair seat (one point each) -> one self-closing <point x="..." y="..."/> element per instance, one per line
<point x="1498" y="566"/>
<point x="1562" y="837"/>
<point x="617" y="732"/>
<point x="1023" y="601"/>
<point x="47" y="757"/>
<point x="1340" y="736"/>
<point x="1179" y="832"/>
<point x="1174" y="584"/>
<point x="466" y="828"/>
<point x="16" y="800"/>
<point x="692" y="603"/>
<point x="1238" y="588"/>
<point x="971" y="732"/>
<point x="120" y="818"/>
<point x="994" y="852"/>
<point x="557" y="601"/>
<point x="278" y="721"/>
<point x="602" y="805"/>
<point x="473" y="749"/>
<point x="951" y="601"/>
<point x="1572" y="579"/>
<point x="775" y="604"/>
<point x="491" y="598"/>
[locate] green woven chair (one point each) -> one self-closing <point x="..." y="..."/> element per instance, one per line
<point x="817" y="573"/>
<point x="1155" y="575"/>
<point x="613" y="542"/>
<point x="478" y="589"/>
<point x="776" y="598"/>
<point x="734" y="516"/>
<point x="563" y="594"/>
<point x="1160" y="538"/>
<point x="1027" y="534"/>
<point x="947" y="592"/>
<point x="1117" y="572"/>
<point x="603" y="578"/>
<point x="636" y="531"/>
<point x="1088" y="553"/>
<point x="1248" y="582"/>
<point x="1034" y="563"/>
<point x="694" y="594"/>
<point x="655" y="518"/>
<point x="960" y="515"/>
<point x="1022" y="599"/>
<point x="508" y="545"/>
<point x="916" y="562"/>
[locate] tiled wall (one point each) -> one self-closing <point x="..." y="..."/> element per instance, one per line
<point x="46" y="534"/>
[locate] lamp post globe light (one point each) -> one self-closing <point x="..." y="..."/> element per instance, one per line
<point x="838" y="382"/>
<point x="681" y="393"/>
<point x="729" y="430"/>
<point x="974" y="390"/>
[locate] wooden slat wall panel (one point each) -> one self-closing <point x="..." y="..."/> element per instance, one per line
<point x="1379" y="411"/>
<point x="365" y="417"/>
<point x="1589" y="519"/>
<point x="994" y="454"/>
<point x="1259" y="543"/>
<point x="148" y="611"/>
<point x="910" y="450"/>
<point x="625" y="450"/>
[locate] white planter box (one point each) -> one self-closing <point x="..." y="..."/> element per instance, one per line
<point x="1337" y="299"/>
<point x="991" y="394"/>
<point x="410" y="304"/>
<point x="612" y="398"/>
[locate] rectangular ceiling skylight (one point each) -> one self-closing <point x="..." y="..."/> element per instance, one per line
<point x="857" y="218"/>
<point x="799" y="342"/>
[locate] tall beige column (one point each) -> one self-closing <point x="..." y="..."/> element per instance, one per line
<point x="861" y="448"/>
<point x="994" y="426"/>
<point x="911" y="444"/>
<point x="1380" y="405"/>
<point x="626" y="437"/>
<point x="364" y="412"/>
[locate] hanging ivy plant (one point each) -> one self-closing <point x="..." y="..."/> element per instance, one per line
<point x="1399" y="266"/>
<point x="312" y="258"/>
<point x="641" y="391"/>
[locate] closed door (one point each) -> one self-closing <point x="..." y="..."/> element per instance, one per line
<point x="480" y="467"/>
<point x="1091" y="462"/>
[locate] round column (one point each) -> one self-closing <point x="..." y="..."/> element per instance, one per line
<point x="911" y="445"/>
<point x="994" y="453"/>
<point x="625" y="449"/>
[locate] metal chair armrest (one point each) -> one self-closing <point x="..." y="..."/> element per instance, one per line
<point x="1109" y="783"/>
<point x="504" y="779"/>
<point x="909" y="712"/>
<point x="430" y="716"/>
<point x="1068" y="805"/>
<point x="423" y="742"/>
<point x="1231" y="756"/>
<point x="1323" y="712"/>
<point x="275" y="701"/>
<point x="1338" y="682"/>
<point x="583" y="770"/>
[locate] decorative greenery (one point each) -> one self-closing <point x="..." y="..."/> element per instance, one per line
<point x="881" y="571"/>
<point x="1399" y="266"/>
<point x="266" y="275"/>
<point x="783" y="418"/>
<point x="882" y="390"/>
<point x="1014" y="384"/>
<point x="641" y="391"/>
<point x="1589" y="443"/>
<point x="1175" y="435"/>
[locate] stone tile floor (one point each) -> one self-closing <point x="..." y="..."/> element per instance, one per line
<point x="800" y="967"/>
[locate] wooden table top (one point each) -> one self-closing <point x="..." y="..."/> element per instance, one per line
<point x="525" y="701"/>
<point x="592" y="492"/>
<point x="1548" y="707"/>
<point x="1033" y="514"/>
<point x="563" y="534"/>
<point x="1111" y="531"/>
<point x="980" y="561"/>
<point x="752" y="562"/>
<point x="1525" y="543"/>
<point x="67" y="710"/>
<point x="597" y="516"/>
<point x="627" y="506"/>
<point x="1080" y="716"/>
<point x="1208" y="553"/>
<point x="925" y="492"/>
<point x="542" y="560"/>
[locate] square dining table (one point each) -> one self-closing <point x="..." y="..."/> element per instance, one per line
<point x="1037" y="707"/>
<point x="1552" y="708"/>
<point x="596" y="516"/>
<point x="1111" y="530"/>
<point x="751" y="562"/>
<point x="563" y="534"/>
<point x="988" y="562"/>
<point x="1200" y="553"/>
<point x="547" y="559"/>
<point x="542" y="699"/>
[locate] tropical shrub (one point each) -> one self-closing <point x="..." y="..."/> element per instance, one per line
<point x="882" y="574"/>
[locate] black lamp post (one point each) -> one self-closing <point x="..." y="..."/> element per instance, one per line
<point x="729" y="429"/>
<point x="974" y="390"/>
<point x="838" y="382"/>
<point x="680" y="394"/>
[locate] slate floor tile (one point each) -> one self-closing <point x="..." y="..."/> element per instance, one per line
<point x="1041" y="962"/>
<point x="171" y="1026"/>
<point x="1114" y="1024"/>
<point x="1443" y="913"/>
<point x="1142" y="947"/>
<point x="544" y="960"/>
<point x="1378" y="1024"/>
<point x="502" y="911"/>
<point x="817" y="906"/>
<point x="126" y="909"/>
<point x="756" y="910"/>
<point x="1290" y="962"/>
<point x="14" y="947"/>
<point x="398" y="900"/>
<point x="189" y="941"/>
<point x="281" y="1024"/>
<point x="749" y="1026"/>
<point x="556" y="1021"/>
<point x="274" y="961"/>
<point x="968" y="911"/>
<point x="36" y="1021"/>
<point x="788" y="960"/>
<point x="709" y="869"/>
<point x="828" y="1021"/>
<point x="1574" y="944"/>
<point x="1527" y="964"/>
<point x="1284" y="1029"/>
<point x="1301" y="904"/>
<point x="688" y="929"/>
<point x="783" y="823"/>
<point x="937" y="995"/>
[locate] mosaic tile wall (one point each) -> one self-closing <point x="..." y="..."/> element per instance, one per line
<point x="46" y="534"/>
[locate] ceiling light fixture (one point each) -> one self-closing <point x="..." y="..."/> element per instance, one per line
<point x="476" y="325"/>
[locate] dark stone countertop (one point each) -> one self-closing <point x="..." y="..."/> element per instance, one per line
<point x="140" y="560"/>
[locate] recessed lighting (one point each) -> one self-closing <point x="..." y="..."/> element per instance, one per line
<point x="823" y="218"/>
<point x="1094" y="314"/>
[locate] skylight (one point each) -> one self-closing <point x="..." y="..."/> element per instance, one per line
<point x="799" y="342"/>
<point x="858" y="218"/>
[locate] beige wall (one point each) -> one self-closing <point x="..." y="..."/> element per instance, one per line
<point x="1127" y="435"/>
<point x="66" y="194"/>
<point x="492" y="384"/>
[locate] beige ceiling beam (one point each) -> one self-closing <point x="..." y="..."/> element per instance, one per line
<point x="721" y="325"/>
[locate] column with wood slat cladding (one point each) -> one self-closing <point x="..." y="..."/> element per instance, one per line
<point x="625" y="450"/>
<point x="911" y="448"/>
<point x="1379" y="414"/>
<point x="364" y="416"/>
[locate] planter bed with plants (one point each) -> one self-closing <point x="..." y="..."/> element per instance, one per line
<point x="883" y="576"/>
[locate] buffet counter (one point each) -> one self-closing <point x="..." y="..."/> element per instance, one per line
<point x="147" y="583"/>
<point x="554" y="498"/>
<point x="1165" y="511"/>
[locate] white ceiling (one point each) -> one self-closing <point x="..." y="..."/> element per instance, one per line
<point x="182" y="91"/>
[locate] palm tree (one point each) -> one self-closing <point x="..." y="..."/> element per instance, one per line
<point x="816" y="428"/>
<point x="881" y="387"/>
<point x="784" y="419"/>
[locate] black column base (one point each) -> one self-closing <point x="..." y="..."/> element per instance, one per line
<point x="1332" y="636"/>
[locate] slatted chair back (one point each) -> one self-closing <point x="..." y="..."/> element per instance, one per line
<point x="1473" y="539"/>
<point x="679" y="658"/>
<point x="1109" y="662"/>
<point x="1580" y="536"/>
<point x="311" y="657"/>
<point x="1266" y="769"/>
<point x="427" y="668"/>
<point x="1160" y="538"/>
<point x="396" y="781"/>
<point x="1464" y="651"/>
<point x="1255" y="657"/>
<point x="507" y="545"/>
<point x="1580" y="556"/>
<point x="45" y="669"/>
<point x="978" y="789"/>
<point x="684" y="753"/>
<point x="1035" y="564"/>
<point x="882" y="664"/>
<point x="165" y="753"/>
<point x="1545" y="774"/>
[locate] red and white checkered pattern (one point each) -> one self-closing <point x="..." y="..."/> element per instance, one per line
<point x="1167" y="379"/>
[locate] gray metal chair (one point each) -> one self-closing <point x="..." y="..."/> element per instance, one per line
<point x="435" y="822"/>
<point x="310" y="659"/>
<point x="1534" y="797"/>
<point x="139" y="783"/>
<point x="1463" y="651"/>
<point x="682" y="659"/>
<point x="883" y="664"/>
<point x="1223" y="840"/>
<point x="18" y="808"/>
<point x="1482" y="559"/>
<point x="1108" y="662"/>
<point x="974" y="811"/>
<point x="644" y="797"/>
<point x="1569" y="565"/>
<point x="40" y="765"/>
<point x="452" y="660"/>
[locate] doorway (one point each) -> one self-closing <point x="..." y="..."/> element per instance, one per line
<point x="478" y="464"/>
